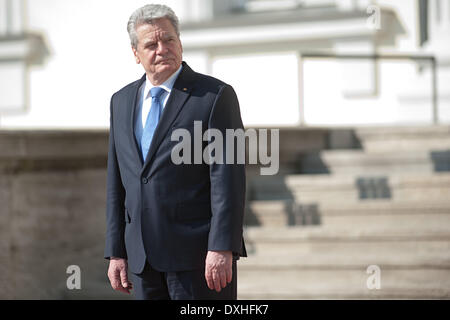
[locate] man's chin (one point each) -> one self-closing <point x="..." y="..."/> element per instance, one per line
<point x="166" y="68"/>
<point x="163" y="72"/>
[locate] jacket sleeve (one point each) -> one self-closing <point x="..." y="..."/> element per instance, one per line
<point x="115" y="196"/>
<point x="227" y="180"/>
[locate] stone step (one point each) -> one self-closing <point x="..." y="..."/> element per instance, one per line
<point x="359" y="161"/>
<point x="348" y="233"/>
<point x="314" y="181"/>
<point x="421" y="283"/>
<point x="406" y="220"/>
<point x="346" y="260"/>
<point x="365" y="208"/>
<point x="371" y="212"/>
<point x="323" y="188"/>
<point x="403" y="138"/>
<point x="322" y="263"/>
<point x="322" y="239"/>
<point x="372" y="246"/>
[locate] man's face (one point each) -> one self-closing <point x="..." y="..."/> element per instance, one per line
<point x="159" y="50"/>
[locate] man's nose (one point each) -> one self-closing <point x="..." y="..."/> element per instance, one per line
<point x="162" y="48"/>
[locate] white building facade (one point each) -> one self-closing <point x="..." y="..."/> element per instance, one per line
<point x="292" y="63"/>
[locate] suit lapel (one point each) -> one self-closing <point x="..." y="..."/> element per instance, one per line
<point x="131" y="120"/>
<point x="180" y="92"/>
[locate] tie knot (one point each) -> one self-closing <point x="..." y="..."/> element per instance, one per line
<point x="155" y="92"/>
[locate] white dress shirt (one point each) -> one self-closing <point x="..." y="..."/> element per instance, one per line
<point x="147" y="98"/>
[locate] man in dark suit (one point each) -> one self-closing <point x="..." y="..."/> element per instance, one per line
<point x="176" y="227"/>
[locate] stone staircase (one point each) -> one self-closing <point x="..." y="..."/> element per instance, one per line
<point x="316" y="235"/>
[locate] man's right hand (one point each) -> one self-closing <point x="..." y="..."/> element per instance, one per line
<point x="118" y="275"/>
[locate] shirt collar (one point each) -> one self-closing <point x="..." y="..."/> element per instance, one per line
<point x="166" y="85"/>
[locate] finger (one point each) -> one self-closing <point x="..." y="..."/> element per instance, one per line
<point x="115" y="281"/>
<point x="121" y="288"/>
<point x="208" y="278"/>
<point x="229" y="274"/>
<point x="116" y="285"/>
<point x="114" y="278"/>
<point x="216" y="280"/>
<point x="124" y="278"/>
<point x="223" y="279"/>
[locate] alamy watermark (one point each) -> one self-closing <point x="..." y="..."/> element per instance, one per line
<point x="74" y="280"/>
<point x="221" y="150"/>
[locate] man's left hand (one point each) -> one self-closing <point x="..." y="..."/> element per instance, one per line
<point x="218" y="269"/>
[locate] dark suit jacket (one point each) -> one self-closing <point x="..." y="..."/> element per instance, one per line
<point x="173" y="214"/>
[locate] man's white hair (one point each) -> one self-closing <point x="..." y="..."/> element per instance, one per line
<point x="147" y="14"/>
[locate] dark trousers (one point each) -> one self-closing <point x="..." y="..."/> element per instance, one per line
<point x="182" y="285"/>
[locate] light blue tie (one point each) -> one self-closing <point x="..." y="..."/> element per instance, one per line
<point x="152" y="120"/>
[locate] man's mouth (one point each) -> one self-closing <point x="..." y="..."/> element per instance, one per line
<point x="164" y="61"/>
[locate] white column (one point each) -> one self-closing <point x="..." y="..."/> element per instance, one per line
<point x="445" y="14"/>
<point x="13" y="55"/>
<point x="16" y="22"/>
<point x="11" y="17"/>
<point x="3" y="17"/>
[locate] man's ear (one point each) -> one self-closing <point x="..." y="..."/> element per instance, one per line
<point x="138" y="61"/>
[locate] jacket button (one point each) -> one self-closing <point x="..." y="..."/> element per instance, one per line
<point x="144" y="180"/>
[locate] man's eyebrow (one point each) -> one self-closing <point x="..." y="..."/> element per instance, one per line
<point x="167" y="35"/>
<point x="149" y="42"/>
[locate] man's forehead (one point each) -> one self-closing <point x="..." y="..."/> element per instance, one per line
<point x="158" y="27"/>
<point x="154" y="35"/>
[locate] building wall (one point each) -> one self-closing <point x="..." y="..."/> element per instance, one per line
<point x="52" y="191"/>
<point x="90" y="58"/>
